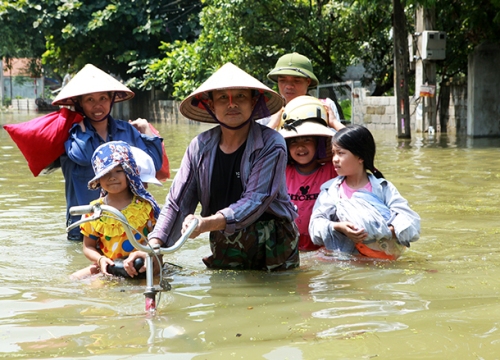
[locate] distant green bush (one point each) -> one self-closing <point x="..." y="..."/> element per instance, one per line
<point x="346" y="108"/>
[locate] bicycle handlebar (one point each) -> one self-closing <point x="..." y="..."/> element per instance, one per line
<point x="97" y="210"/>
<point x="81" y="210"/>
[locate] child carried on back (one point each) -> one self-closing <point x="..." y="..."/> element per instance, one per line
<point x="105" y="240"/>
<point x="359" y="213"/>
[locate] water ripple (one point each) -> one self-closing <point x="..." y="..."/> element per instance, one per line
<point x="352" y="330"/>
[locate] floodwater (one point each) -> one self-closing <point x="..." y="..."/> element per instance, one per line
<point x="440" y="300"/>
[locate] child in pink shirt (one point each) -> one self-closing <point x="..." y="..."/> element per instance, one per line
<point x="308" y="140"/>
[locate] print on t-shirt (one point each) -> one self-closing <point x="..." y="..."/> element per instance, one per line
<point x="303" y="191"/>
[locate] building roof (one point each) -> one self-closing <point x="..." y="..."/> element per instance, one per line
<point x="19" y="67"/>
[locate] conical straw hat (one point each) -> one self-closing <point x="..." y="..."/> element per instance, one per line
<point x="91" y="79"/>
<point x="229" y="76"/>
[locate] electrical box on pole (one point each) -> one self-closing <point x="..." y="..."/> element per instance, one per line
<point x="433" y="45"/>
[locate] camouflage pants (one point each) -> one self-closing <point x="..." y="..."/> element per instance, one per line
<point x="266" y="245"/>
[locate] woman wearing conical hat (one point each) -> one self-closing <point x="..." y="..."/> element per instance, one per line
<point x="93" y="92"/>
<point x="236" y="171"/>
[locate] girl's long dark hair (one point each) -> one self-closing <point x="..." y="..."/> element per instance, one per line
<point x="359" y="141"/>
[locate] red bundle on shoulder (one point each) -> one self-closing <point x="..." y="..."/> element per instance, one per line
<point x="164" y="173"/>
<point x="41" y="140"/>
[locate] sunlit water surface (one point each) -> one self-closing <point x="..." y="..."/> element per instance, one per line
<point x="440" y="300"/>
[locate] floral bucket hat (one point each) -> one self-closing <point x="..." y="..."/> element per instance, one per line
<point x="111" y="154"/>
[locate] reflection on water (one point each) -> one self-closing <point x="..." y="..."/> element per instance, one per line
<point x="439" y="300"/>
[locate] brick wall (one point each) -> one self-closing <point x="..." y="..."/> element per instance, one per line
<point x="377" y="112"/>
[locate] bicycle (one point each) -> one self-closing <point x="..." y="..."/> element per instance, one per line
<point x="99" y="211"/>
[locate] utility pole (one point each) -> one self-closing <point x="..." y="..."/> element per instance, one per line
<point x="401" y="56"/>
<point x="1" y="83"/>
<point x="425" y="71"/>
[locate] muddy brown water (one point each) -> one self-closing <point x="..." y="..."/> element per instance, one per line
<point x="440" y="300"/>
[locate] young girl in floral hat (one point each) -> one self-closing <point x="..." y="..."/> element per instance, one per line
<point x="104" y="239"/>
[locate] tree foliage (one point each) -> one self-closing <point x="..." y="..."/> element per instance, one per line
<point x="18" y="40"/>
<point x="253" y="34"/>
<point x="467" y="24"/>
<point x="108" y="34"/>
<point x="174" y="45"/>
<point x="181" y="70"/>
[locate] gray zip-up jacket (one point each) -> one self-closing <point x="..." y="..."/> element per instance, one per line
<point x="262" y="175"/>
<point x="406" y="222"/>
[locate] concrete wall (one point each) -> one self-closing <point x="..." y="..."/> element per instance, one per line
<point x="22" y="87"/>
<point x="151" y="106"/>
<point x="121" y="111"/>
<point x="157" y="111"/>
<point x="483" y="107"/>
<point x="455" y="119"/>
<point x="167" y="111"/>
<point x="24" y="105"/>
<point x="377" y="112"/>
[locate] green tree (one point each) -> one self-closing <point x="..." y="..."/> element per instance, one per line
<point x="467" y="24"/>
<point x="176" y="45"/>
<point x="181" y="70"/>
<point x="253" y="34"/>
<point x="18" y="40"/>
<point x="109" y="34"/>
